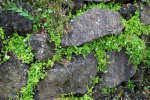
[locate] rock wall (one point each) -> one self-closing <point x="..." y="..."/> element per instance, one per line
<point x="68" y="75"/>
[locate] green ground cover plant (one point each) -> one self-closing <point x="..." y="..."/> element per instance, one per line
<point x="17" y="44"/>
<point x="52" y="19"/>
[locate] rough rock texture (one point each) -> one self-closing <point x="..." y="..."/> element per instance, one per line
<point x="41" y="47"/>
<point x="12" y="21"/>
<point x="145" y="14"/>
<point x="78" y="3"/>
<point x="138" y="77"/>
<point x="127" y="10"/>
<point x="125" y="1"/>
<point x="72" y="78"/>
<point x="118" y="70"/>
<point x="92" y="25"/>
<point x="13" y="76"/>
<point x="98" y="0"/>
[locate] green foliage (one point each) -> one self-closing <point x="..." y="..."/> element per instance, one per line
<point x="52" y="16"/>
<point x="86" y="96"/>
<point x="35" y="73"/>
<point x="107" y="91"/>
<point x="131" y="85"/>
<point x="13" y="7"/>
<point x="110" y="6"/>
<point x="3" y="37"/>
<point x="146" y="61"/>
<point x="147" y="1"/>
<point x="146" y="91"/>
<point x="17" y="45"/>
<point x="71" y="97"/>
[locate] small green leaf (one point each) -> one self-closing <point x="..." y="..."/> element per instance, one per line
<point x="13" y="5"/>
<point x="8" y="2"/>
<point x="18" y="10"/>
<point x="6" y="57"/>
<point x="19" y="6"/>
<point x="26" y="11"/>
<point x="11" y="9"/>
<point x="39" y="9"/>
<point x="30" y="17"/>
<point x="23" y="14"/>
<point x="50" y="11"/>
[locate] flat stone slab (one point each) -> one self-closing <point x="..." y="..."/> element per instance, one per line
<point x="92" y="25"/>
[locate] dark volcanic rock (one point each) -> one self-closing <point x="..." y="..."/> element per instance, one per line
<point x="12" y="21"/>
<point x="145" y="14"/>
<point x="78" y="3"/>
<point x="41" y="47"/>
<point x="119" y="70"/>
<point x="92" y="25"/>
<point x="13" y="76"/>
<point x="68" y="78"/>
<point x="125" y="1"/>
<point x="127" y="10"/>
<point x="98" y="0"/>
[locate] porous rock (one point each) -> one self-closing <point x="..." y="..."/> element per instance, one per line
<point x="119" y="70"/>
<point x="98" y="1"/>
<point x="13" y="76"/>
<point x="92" y="25"/>
<point x="78" y="3"/>
<point x="127" y="10"/>
<point x="42" y="49"/>
<point x="145" y="14"/>
<point x="70" y="78"/>
<point x="10" y="21"/>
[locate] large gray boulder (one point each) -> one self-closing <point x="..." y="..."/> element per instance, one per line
<point x="42" y="49"/>
<point x="119" y="70"/>
<point x="92" y="25"/>
<point x="13" y="76"/>
<point x="145" y="14"/>
<point x="68" y="76"/>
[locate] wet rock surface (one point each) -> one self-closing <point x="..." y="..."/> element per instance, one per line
<point x="41" y="47"/>
<point x="92" y="25"/>
<point x="11" y="21"/>
<point x="13" y="76"/>
<point x="127" y="10"/>
<point x="119" y="70"/>
<point x="70" y="78"/>
<point x="145" y="14"/>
